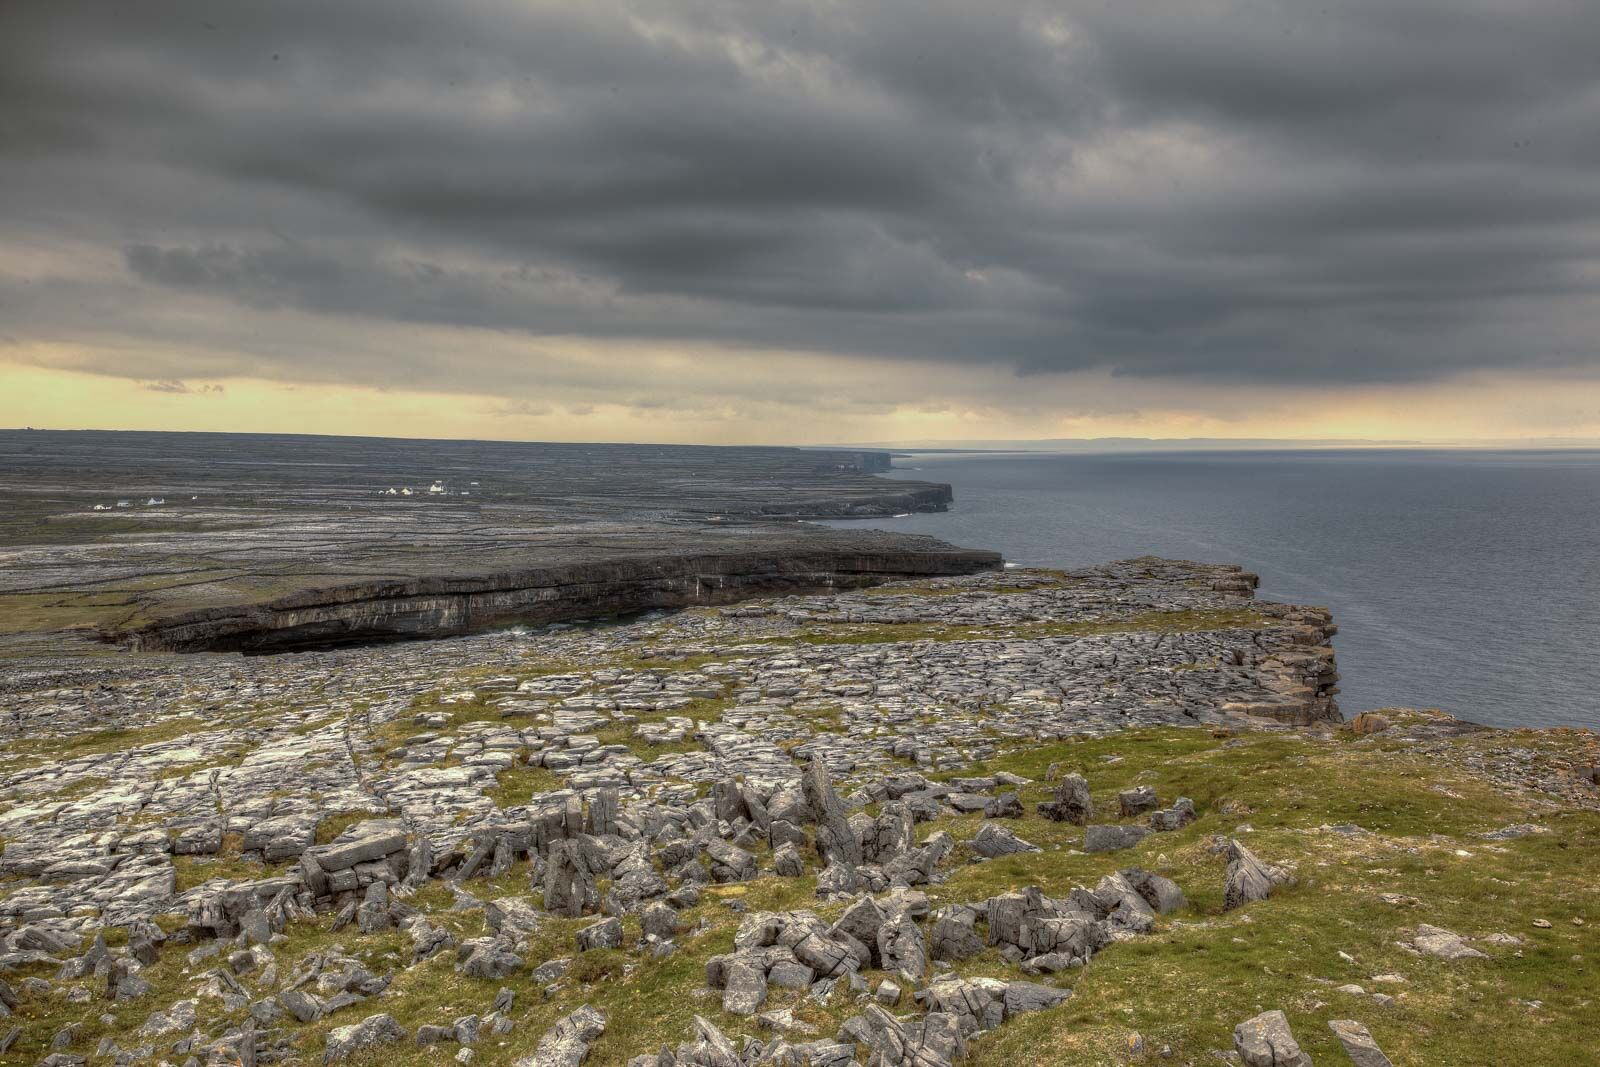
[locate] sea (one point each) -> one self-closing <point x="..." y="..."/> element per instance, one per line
<point x="1462" y="580"/>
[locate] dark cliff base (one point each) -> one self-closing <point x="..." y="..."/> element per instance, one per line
<point x="372" y="612"/>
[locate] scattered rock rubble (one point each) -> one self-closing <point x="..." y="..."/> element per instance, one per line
<point x="236" y="764"/>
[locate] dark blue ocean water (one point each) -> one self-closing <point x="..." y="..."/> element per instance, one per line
<point x="1468" y="581"/>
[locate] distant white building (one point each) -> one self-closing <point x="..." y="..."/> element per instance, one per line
<point x="436" y="488"/>
<point x="102" y="507"/>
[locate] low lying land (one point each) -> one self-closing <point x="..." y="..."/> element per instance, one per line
<point x="242" y="542"/>
<point x="799" y="830"/>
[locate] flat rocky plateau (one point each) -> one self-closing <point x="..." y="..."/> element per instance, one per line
<point x="1009" y="816"/>
<point x="244" y="542"/>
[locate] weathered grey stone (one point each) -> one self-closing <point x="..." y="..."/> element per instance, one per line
<point x="487" y="958"/>
<point x="992" y="841"/>
<point x="1162" y="894"/>
<point x="837" y="879"/>
<point x="1443" y="944"/>
<point x="836" y="842"/>
<point x="901" y="948"/>
<point x="302" y="1005"/>
<point x="729" y="863"/>
<point x="1004" y="806"/>
<point x="362" y="843"/>
<point x="975" y="1004"/>
<point x="953" y="936"/>
<point x="1266" y="1041"/>
<point x="1072" y="802"/>
<point x="374" y="1030"/>
<point x="1178" y="816"/>
<point x="744" y="990"/>
<point x="1358" y="1043"/>
<point x="786" y="861"/>
<point x="1248" y="878"/>
<point x="566" y="1044"/>
<point x="569" y="886"/>
<point x="1112" y="837"/>
<point x="659" y="920"/>
<point x="1022" y="997"/>
<point x="1126" y="911"/>
<point x="607" y="933"/>
<point x="862" y="920"/>
<point x="791" y="975"/>
<point x="1137" y="801"/>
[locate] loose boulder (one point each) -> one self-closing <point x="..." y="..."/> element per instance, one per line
<point x="1266" y="1041"/>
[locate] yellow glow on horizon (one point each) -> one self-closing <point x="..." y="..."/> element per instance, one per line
<point x="1487" y="408"/>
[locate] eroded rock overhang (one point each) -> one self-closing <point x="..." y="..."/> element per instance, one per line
<point x="450" y="605"/>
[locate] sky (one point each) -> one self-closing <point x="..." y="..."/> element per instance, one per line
<point x="803" y="222"/>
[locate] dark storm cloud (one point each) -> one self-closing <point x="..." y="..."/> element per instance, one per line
<point x="1233" y="190"/>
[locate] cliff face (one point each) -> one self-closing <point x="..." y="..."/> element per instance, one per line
<point x="439" y="606"/>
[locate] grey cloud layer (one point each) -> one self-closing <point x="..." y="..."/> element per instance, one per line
<point x="1362" y="191"/>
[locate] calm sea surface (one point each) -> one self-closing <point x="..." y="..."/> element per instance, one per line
<point x="1468" y="581"/>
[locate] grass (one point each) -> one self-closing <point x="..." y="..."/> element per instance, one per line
<point x="1148" y="622"/>
<point x="330" y="826"/>
<point x="228" y="863"/>
<point x="624" y="734"/>
<point x="1284" y="952"/>
<point x="1059" y="580"/>
<point x="100" y="742"/>
<point x="517" y="786"/>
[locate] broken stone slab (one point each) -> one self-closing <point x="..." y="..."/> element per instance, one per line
<point x="569" y="883"/>
<point x="992" y="841"/>
<point x="744" y="989"/>
<point x="1160" y="893"/>
<point x="1023" y="997"/>
<point x="1444" y="944"/>
<point x="1004" y="806"/>
<point x="658" y="920"/>
<point x="1137" y="801"/>
<point x="1112" y="837"/>
<point x="1126" y="910"/>
<point x="975" y="1003"/>
<point x="607" y="933"/>
<point x="1178" y="816"/>
<point x="566" y="1044"/>
<point x="836" y="841"/>
<point x="374" y="1030"/>
<point x="1248" y="878"/>
<point x="730" y="863"/>
<point x="862" y="920"/>
<point x="1072" y="802"/>
<point x="900" y="948"/>
<point x="786" y="861"/>
<point x="364" y="842"/>
<point x="1358" y="1043"/>
<point x="837" y="879"/>
<point x="953" y="936"/>
<point x="1266" y="1041"/>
